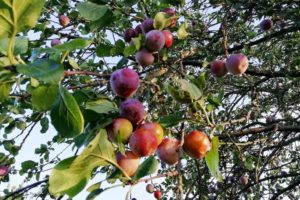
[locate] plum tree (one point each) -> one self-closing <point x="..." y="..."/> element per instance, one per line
<point x="133" y="110"/>
<point x="237" y="64"/>
<point x="144" y="57"/>
<point x="218" y="68"/>
<point x="167" y="151"/>
<point x="124" y="82"/>
<point x="120" y="126"/>
<point x="143" y="142"/>
<point x="128" y="162"/>
<point x="196" y="144"/>
<point x="155" y="40"/>
<point x="70" y="95"/>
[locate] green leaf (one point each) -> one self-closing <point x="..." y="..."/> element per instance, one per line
<point x="212" y="160"/>
<point x="99" y="15"/>
<point x="183" y="91"/>
<point x="71" y="175"/>
<point x="129" y="50"/>
<point x="181" y="32"/>
<point x="20" y="47"/>
<point x="45" y="70"/>
<point x="27" y="165"/>
<point x="171" y="120"/>
<point x="104" y="50"/>
<point x="148" y="167"/>
<point x="162" y="20"/>
<point x="101" y="106"/>
<point x="130" y="2"/>
<point x="78" y="43"/>
<point x="6" y="83"/>
<point x="91" y="11"/>
<point x="44" y="96"/>
<point x="66" y="115"/>
<point x="18" y="15"/>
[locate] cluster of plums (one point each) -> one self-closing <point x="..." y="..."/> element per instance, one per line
<point x="145" y="138"/>
<point x="63" y="21"/>
<point x="236" y="64"/>
<point x="155" y="40"/>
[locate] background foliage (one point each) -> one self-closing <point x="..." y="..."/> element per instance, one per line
<point x="255" y="116"/>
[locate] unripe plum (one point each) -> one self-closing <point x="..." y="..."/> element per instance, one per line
<point x="266" y="24"/>
<point x="168" y="38"/>
<point x="171" y="13"/>
<point x="55" y="42"/>
<point x="128" y="34"/>
<point x="244" y="180"/>
<point x="157" y="194"/>
<point x="196" y="144"/>
<point x="156" y="129"/>
<point x="143" y="142"/>
<point x="122" y="126"/>
<point x="147" y="25"/>
<point x="167" y="151"/>
<point x="124" y="82"/>
<point x="155" y="40"/>
<point x="128" y="162"/>
<point x="218" y="68"/>
<point x="138" y="29"/>
<point x="133" y="110"/>
<point x="150" y="188"/>
<point x="144" y="57"/>
<point x="237" y="63"/>
<point x="64" y="20"/>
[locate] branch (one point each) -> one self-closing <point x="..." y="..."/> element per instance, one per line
<point x="277" y="127"/>
<point x="290" y="187"/>
<point x="29" y="187"/>
<point x="70" y="73"/>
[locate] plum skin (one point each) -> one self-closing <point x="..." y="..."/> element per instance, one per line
<point x="155" y="129"/>
<point x="124" y="82"/>
<point x="155" y="40"/>
<point x="196" y="144"/>
<point x="133" y="110"/>
<point x="167" y="151"/>
<point x="121" y="125"/>
<point x="142" y="142"/>
<point x="55" y="42"/>
<point x="64" y="20"/>
<point x="266" y="24"/>
<point x="218" y="68"/>
<point x="128" y="162"/>
<point x="144" y="58"/>
<point x="168" y="38"/>
<point x="129" y="34"/>
<point x="147" y="25"/>
<point x="237" y="64"/>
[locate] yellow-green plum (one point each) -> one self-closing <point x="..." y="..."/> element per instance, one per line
<point x="128" y="162"/>
<point x="120" y="126"/>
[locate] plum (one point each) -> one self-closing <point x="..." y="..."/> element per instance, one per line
<point x="64" y="20"/>
<point x="147" y="25"/>
<point x="196" y="144"/>
<point x="133" y="110"/>
<point x="55" y="42"/>
<point x="156" y="129"/>
<point x="143" y="142"/>
<point x="124" y="82"/>
<point x="237" y="63"/>
<point x="120" y="126"/>
<point x="155" y="40"/>
<point x="266" y="24"/>
<point x="168" y="38"/>
<point x="218" y="68"/>
<point x="171" y="12"/>
<point x="138" y="29"/>
<point x="144" y="58"/>
<point x="129" y="34"/>
<point x="128" y="162"/>
<point x="167" y="151"/>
